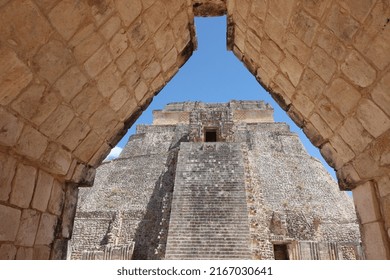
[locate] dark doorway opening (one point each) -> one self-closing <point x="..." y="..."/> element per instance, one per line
<point x="280" y="252"/>
<point x="210" y="135"/>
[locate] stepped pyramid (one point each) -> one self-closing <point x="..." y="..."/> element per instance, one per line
<point x="214" y="181"/>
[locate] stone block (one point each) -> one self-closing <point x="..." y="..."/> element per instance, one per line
<point x="110" y="27"/>
<point x="140" y="91"/>
<point x="343" y="96"/>
<point x="158" y="84"/>
<point x="87" y="102"/>
<point x="23" y="186"/>
<point x="347" y="177"/>
<point x="274" y="29"/>
<point x="71" y="83"/>
<point x="358" y="70"/>
<point x="180" y="25"/>
<point x="88" y="147"/>
<point x="87" y="47"/>
<point x="173" y="7"/>
<point x="322" y="64"/>
<point x="375" y="248"/>
<point x="355" y="135"/>
<point x="297" y="48"/>
<point x="366" y="166"/>
<point x="284" y="84"/>
<point x="331" y="44"/>
<point x="372" y="118"/>
<point x="343" y="150"/>
<point x="146" y="54"/>
<point x="100" y="155"/>
<point x="101" y="11"/>
<point x="380" y="94"/>
<point x="7" y="251"/>
<point x="36" y="103"/>
<point x="28" y="228"/>
<point x="138" y="33"/>
<point x="83" y="34"/>
<point x="304" y="27"/>
<point x="32" y="143"/>
<point x="126" y="60"/>
<point x="151" y="71"/>
<point x="10" y="128"/>
<point x="311" y="85"/>
<point x="84" y="175"/>
<point x="52" y="60"/>
<point x="239" y="39"/>
<point x="267" y="70"/>
<point x="10" y="220"/>
<point x="303" y="104"/>
<point x="67" y="16"/>
<point x="315" y="7"/>
<point x="42" y="191"/>
<point x="103" y="121"/>
<point x="24" y="253"/>
<point x="7" y="166"/>
<point x="41" y="252"/>
<point x="331" y="156"/>
<point x="292" y="68"/>
<point x="377" y="51"/>
<point x="119" y="43"/>
<point x="128" y="11"/>
<point x="98" y="61"/>
<point x="56" y="201"/>
<point x="341" y="23"/>
<point x="169" y="60"/>
<point x="56" y="123"/>
<point x="259" y="9"/>
<point x="281" y="10"/>
<point x="14" y="75"/>
<point x="74" y="134"/>
<point x="312" y="133"/>
<point x="384" y="186"/>
<point x="29" y="37"/>
<point x="359" y="9"/>
<point x="366" y="203"/>
<point x="46" y="229"/>
<point x="128" y="109"/>
<point x="164" y="40"/>
<point x="69" y="211"/>
<point x="118" y="99"/>
<point x="109" y="80"/>
<point x="57" y="159"/>
<point x="329" y="113"/>
<point x="155" y="16"/>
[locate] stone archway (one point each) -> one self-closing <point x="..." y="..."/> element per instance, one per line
<point x="74" y="75"/>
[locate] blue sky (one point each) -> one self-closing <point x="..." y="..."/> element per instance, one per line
<point x="214" y="74"/>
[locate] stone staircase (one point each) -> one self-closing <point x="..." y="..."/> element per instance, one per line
<point x="209" y="218"/>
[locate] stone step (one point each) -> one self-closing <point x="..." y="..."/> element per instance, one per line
<point x="209" y="216"/>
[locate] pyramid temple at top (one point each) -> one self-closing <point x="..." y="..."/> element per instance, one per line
<point x="214" y="181"/>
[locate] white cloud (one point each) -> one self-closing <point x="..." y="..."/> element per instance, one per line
<point x="115" y="152"/>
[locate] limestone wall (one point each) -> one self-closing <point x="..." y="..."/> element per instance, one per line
<point x="74" y="75"/>
<point x="134" y="192"/>
<point x="290" y="193"/>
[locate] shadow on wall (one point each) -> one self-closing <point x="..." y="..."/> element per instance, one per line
<point x="152" y="232"/>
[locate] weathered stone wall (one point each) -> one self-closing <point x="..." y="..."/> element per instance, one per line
<point x="134" y="191"/>
<point x="74" y="75"/>
<point x="326" y="63"/>
<point x="291" y="192"/>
